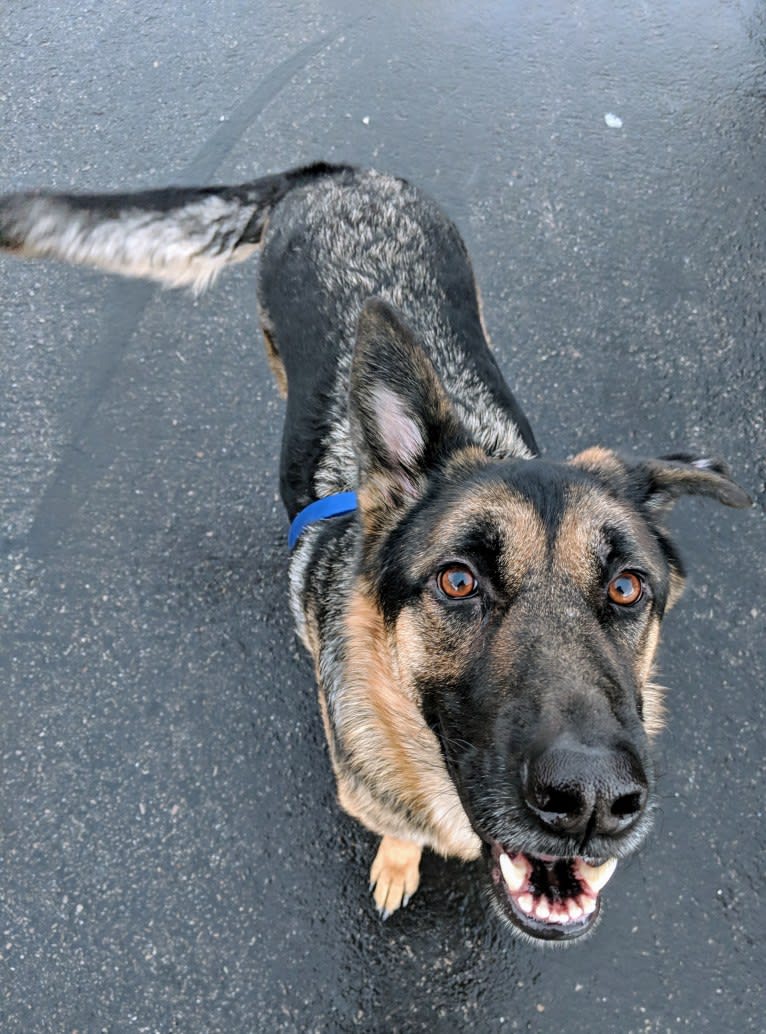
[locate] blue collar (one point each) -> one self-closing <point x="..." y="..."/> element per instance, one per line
<point x="330" y="506"/>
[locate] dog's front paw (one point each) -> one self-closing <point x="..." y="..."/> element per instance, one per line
<point x="395" y="874"/>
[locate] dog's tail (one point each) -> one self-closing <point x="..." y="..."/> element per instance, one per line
<point x="181" y="236"/>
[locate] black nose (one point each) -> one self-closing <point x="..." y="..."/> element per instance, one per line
<point x="576" y="789"/>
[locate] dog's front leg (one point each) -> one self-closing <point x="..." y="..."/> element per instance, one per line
<point x="395" y="873"/>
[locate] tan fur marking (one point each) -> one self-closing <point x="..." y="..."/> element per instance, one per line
<point x="645" y="658"/>
<point x="328" y="730"/>
<point x="578" y="536"/>
<point x="651" y="692"/>
<point x="598" y="459"/>
<point x="516" y="518"/>
<point x="575" y="548"/>
<point x="417" y="655"/>
<point x="395" y="873"/>
<point x="466" y="460"/>
<point x="379" y="724"/>
<point x="275" y="362"/>
<point x="382" y="503"/>
<point x="677" y="583"/>
<point x="654" y="708"/>
<point x="588" y="511"/>
<point x="411" y="652"/>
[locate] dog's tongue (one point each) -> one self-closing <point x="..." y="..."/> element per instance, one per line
<point x="554" y="890"/>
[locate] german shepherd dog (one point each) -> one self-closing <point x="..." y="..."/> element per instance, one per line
<point x="483" y="622"/>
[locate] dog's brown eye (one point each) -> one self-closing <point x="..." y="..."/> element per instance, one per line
<point x="457" y="582"/>
<point x="626" y="589"/>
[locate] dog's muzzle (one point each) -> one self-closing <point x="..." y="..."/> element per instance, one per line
<point x="589" y="803"/>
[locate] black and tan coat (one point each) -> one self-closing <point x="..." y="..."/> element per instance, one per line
<point x="484" y="627"/>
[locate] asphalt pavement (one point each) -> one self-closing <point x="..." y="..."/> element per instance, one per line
<point x="171" y="855"/>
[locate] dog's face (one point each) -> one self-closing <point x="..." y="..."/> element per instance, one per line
<point x="522" y="599"/>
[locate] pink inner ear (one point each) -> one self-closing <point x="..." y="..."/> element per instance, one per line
<point x="399" y="432"/>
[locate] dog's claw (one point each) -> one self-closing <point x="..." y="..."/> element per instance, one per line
<point x="395" y="874"/>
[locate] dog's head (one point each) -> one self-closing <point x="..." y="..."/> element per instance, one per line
<point x="523" y="600"/>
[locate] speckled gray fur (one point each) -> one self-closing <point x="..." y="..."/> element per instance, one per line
<point x="372" y="238"/>
<point x="188" y="246"/>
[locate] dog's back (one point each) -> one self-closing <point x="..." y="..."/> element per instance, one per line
<point x="332" y="236"/>
<point x="328" y="247"/>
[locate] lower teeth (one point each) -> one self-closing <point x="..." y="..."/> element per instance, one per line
<point x="575" y="912"/>
<point x="517" y="873"/>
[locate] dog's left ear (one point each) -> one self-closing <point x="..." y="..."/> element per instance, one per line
<point x="655" y="484"/>
<point x="402" y="422"/>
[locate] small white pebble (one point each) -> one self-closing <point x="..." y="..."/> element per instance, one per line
<point x="613" y="121"/>
<point x="366" y="120"/>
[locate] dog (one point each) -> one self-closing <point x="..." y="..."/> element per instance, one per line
<point x="483" y="622"/>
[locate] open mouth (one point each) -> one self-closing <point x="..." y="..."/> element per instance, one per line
<point x="548" y="897"/>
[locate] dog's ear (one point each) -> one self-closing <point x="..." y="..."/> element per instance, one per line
<point x="655" y="484"/>
<point x="402" y="423"/>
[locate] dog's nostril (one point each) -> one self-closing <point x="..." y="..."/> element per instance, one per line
<point x="561" y="802"/>
<point x="628" y="804"/>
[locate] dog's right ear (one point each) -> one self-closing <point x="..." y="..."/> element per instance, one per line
<point x="402" y="422"/>
<point x="655" y="484"/>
